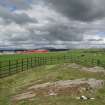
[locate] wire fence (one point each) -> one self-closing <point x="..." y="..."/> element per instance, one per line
<point x="11" y="67"/>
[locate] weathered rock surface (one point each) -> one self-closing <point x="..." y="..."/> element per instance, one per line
<point x="60" y="88"/>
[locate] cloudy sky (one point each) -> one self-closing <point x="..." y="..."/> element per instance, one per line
<point x="52" y="23"/>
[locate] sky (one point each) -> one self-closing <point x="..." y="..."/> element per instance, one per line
<point x="52" y="23"/>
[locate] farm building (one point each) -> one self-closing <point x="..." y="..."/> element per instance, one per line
<point x="23" y="51"/>
<point x="7" y="52"/>
<point x="32" y="51"/>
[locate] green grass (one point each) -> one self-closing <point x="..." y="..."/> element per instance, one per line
<point x="20" y="56"/>
<point x="13" y="84"/>
<point x="11" y="64"/>
<point x="17" y="83"/>
<point x="88" y="57"/>
<point x="75" y="55"/>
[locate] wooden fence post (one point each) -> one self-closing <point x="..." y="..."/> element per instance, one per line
<point x="71" y="59"/>
<point x="0" y="69"/>
<point x="9" y="67"/>
<point x="31" y="63"/>
<point x="34" y="61"/>
<point x="16" y="65"/>
<point x="37" y="60"/>
<point x="98" y="62"/>
<point x="27" y="63"/>
<point x="43" y="60"/>
<point x="64" y="57"/>
<point x="92" y="61"/>
<point x="22" y="65"/>
<point x="50" y="60"/>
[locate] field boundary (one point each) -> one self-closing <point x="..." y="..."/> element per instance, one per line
<point x="11" y="67"/>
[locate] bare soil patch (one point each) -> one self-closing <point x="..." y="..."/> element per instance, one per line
<point x="94" y="69"/>
<point x="68" y="87"/>
<point x="82" y="68"/>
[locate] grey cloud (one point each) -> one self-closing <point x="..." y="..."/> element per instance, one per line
<point x="82" y="10"/>
<point x="65" y="33"/>
<point x="49" y="35"/>
<point x="95" y="39"/>
<point x="57" y="31"/>
<point x="19" y="4"/>
<point x="13" y="17"/>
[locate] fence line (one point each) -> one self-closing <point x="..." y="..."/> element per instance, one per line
<point x="15" y="66"/>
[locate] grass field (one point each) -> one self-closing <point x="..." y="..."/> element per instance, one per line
<point x="11" y="64"/>
<point x="88" y="54"/>
<point x="85" y="57"/>
<point x="20" y="56"/>
<point x="15" y="84"/>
